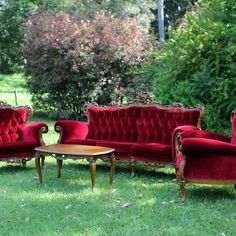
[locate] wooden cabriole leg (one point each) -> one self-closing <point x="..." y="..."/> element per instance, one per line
<point x="183" y="191"/>
<point x="38" y="167"/>
<point x="59" y="165"/>
<point x="181" y="178"/>
<point x="113" y="167"/>
<point x="93" y="172"/>
<point x="132" y="162"/>
<point x="42" y="163"/>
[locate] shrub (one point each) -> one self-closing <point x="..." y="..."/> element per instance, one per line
<point x="197" y="65"/>
<point x="71" y="61"/>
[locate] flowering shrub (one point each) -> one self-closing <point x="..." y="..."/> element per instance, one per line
<point x="71" y="61"/>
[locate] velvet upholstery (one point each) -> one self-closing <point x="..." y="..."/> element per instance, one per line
<point x="138" y="132"/>
<point x="17" y="138"/>
<point x="205" y="157"/>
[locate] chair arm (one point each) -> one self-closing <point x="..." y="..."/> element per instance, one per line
<point x="177" y="137"/>
<point x="33" y="132"/>
<point x="201" y="146"/>
<point x="70" y="129"/>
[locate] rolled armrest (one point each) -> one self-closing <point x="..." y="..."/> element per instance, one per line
<point x="71" y="129"/>
<point x="201" y="146"/>
<point x="205" y="134"/>
<point x="33" y="132"/>
<point x="177" y="136"/>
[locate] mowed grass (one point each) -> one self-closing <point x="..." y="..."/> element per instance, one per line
<point x="11" y="83"/>
<point x="147" y="204"/>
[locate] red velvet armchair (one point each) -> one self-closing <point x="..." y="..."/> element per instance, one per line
<point x="204" y="157"/>
<point x="17" y="138"/>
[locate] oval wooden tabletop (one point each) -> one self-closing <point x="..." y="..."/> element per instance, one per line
<point x="74" y="149"/>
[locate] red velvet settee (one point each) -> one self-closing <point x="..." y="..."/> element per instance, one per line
<point x="137" y="132"/>
<point x="17" y="138"/>
<point x="204" y="157"/>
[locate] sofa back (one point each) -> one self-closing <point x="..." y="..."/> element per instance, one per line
<point x="139" y="123"/>
<point x="12" y="121"/>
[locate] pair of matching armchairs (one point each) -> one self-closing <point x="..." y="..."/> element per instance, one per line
<point x="204" y="157"/>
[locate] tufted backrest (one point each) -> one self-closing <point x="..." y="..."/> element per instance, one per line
<point x="141" y="124"/>
<point x="12" y="121"/>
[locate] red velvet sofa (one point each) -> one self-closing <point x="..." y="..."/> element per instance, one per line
<point x="17" y="138"/>
<point x="204" y="157"/>
<point x="137" y="132"/>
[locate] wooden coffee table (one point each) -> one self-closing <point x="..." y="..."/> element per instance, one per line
<point x="76" y="152"/>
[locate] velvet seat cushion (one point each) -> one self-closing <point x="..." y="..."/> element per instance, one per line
<point x="91" y="142"/>
<point x="120" y="147"/>
<point x="197" y="146"/>
<point x="17" y="146"/>
<point x="152" y="149"/>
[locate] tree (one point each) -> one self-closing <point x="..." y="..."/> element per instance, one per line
<point x="71" y="61"/>
<point x="140" y="10"/>
<point x="198" y="63"/>
<point x="13" y="15"/>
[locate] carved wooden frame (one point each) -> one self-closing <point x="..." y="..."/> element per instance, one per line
<point x="146" y="101"/>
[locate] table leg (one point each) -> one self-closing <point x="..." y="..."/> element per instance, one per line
<point x="42" y="162"/>
<point x="113" y="167"/>
<point x="38" y="167"/>
<point x="59" y="165"/>
<point x="93" y="172"/>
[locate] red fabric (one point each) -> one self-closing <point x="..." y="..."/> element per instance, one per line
<point x="220" y="167"/>
<point x="17" y="146"/>
<point x="72" y="129"/>
<point x="17" y="139"/>
<point x="201" y="146"/>
<point x="120" y="147"/>
<point x="181" y="129"/>
<point x="81" y="142"/>
<point x="138" y="124"/>
<point x="30" y="133"/>
<point x="12" y="121"/>
<point x="151" y="149"/>
<point x="205" y="134"/>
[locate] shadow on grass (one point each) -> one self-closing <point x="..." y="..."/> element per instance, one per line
<point x="141" y="171"/>
<point x="13" y="168"/>
<point x="211" y="193"/>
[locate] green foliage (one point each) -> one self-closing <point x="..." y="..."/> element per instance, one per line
<point x="13" y="15"/>
<point x="140" y="10"/>
<point x="198" y="64"/>
<point x="70" y="62"/>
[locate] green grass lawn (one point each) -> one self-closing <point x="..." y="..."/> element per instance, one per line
<point x="11" y="83"/>
<point x="147" y="204"/>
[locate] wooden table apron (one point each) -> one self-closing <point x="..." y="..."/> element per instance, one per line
<point x="91" y="159"/>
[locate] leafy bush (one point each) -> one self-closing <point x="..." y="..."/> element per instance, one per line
<point x="198" y="64"/>
<point x="71" y="61"/>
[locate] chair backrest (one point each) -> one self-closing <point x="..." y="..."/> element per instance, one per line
<point x="12" y="121"/>
<point x="151" y="123"/>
